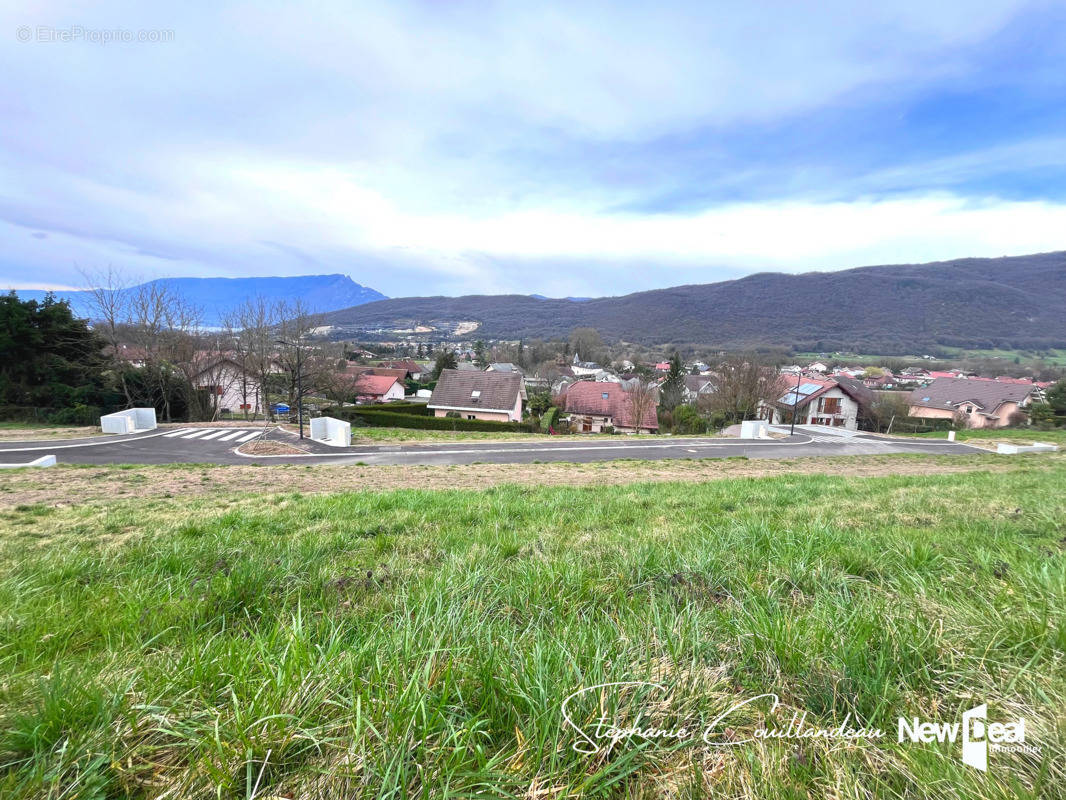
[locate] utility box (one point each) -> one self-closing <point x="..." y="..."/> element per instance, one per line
<point x="132" y="420"/>
<point x="331" y="431"/>
<point x="754" y="429"/>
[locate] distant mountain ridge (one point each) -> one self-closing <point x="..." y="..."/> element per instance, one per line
<point x="219" y="296"/>
<point x="971" y="302"/>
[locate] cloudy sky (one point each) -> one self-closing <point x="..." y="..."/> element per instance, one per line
<point x="570" y="148"/>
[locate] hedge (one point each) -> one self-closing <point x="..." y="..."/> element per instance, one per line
<point x="401" y="407"/>
<point x="389" y="419"/>
<point x="73" y="415"/>
<point x="550" y="418"/>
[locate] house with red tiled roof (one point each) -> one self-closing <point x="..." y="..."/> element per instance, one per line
<point x="594" y="407"/>
<point x="377" y="388"/>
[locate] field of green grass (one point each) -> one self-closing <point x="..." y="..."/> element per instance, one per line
<point x="421" y="644"/>
<point x="1053" y="358"/>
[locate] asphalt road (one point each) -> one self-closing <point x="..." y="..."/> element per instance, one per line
<point x="219" y="446"/>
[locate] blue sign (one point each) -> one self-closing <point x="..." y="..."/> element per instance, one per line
<point x="281" y="408"/>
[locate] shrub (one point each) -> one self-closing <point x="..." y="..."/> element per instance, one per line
<point x="549" y="419"/>
<point x="76" y="415"/>
<point x="686" y="419"/>
<point x="1018" y="419"/>
<point x="363" y="415"/>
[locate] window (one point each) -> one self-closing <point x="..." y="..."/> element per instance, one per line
<point x="969" y="409"/>
<point x="471" y="416"/>
<point x="830" y="405"/>
<point x="476" y="394"/>
<point x="604" y="395"/>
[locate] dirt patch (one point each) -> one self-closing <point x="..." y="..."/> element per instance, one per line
<point x="68" y="485"/>
<point x="30" y="434"/>
<point x="269" y="448"/>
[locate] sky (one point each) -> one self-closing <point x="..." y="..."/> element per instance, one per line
<point x="573" y="148"/>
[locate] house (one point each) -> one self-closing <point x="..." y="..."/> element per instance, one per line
<point x="836" y="402"/>
<point x="978" y="403"/>
<point x="134" y="356"/>
<point x="478" y="395"/>
<point x="228" y="386"/>
<point x="886" y="380"/>
<point x="817" y="366"/>
<point x="371" y="388"/>
<point x="581" y="368"/>
<point x="535" y="383"/>
<point x="593" y="407"/>
<point x="662" y="366"/>
<point x="503" y="366"/>
<point x="412" y="369"/>
<point x="697" y="386"/>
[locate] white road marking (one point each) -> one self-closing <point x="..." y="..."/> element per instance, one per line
<point x="213" y="435"/>
<point x="250" y="436"/>
<point x="229" y="436"/>
<point x="198" y="432"/>
<point x="177" y="433"/>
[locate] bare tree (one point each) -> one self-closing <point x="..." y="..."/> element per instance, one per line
<point x="254" y="323"/>
<point x="887" y="409"/>
<point x="641" y="398"/>
<point x="742" y="383"/>
<point x="108" y="292"/>
<point x="297" y="367"/>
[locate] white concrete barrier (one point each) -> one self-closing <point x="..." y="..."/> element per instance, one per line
<point x="331" y="431"/>
<point x="1035" y="447"/>
<point x="951" y="436"/>
<point x="132" y="420"/>
<point x="43" y="461"/>
<point x="754" y="429"/>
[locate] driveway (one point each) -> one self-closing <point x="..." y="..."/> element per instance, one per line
<point x="199" y="445"/>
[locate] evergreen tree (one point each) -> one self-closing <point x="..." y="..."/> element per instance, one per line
<point x="49" y="358"/>
<point x="672" y="392"/>
<point x="445" y="360"/>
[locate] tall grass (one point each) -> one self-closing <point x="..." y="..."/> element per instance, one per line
<point x="420" y="644"/>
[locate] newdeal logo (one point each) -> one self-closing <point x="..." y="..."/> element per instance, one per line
<point x="977" y="734"/>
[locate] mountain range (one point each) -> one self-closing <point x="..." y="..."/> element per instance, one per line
<point x="1009" y="302"/>
<point x="217" y="297"/>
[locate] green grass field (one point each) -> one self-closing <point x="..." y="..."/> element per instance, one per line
<point x="420" y="644"/>
<point x="1054" y="358"/>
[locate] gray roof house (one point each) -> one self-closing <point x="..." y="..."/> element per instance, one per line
<point x="493" y="396"/>
<point x="980" y="403"/>
<point x="504" y="366"/>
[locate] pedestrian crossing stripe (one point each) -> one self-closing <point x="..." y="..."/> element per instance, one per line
<point x="238" y="436"/>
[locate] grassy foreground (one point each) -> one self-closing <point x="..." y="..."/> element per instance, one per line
<point x="420" y="644"/>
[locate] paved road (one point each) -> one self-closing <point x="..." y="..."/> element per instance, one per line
<point x="219" y="445"/>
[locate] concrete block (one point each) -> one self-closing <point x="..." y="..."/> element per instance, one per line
<point x="119" y="422"/>
<point x="754" y="429"/>
<point x="132" y="420"/>
<point x="43" y="461"/>
<point x="951" y="436"/>
<point x="1036" y="447"/>
<point x="331" y="431"/>
<point x="144" y="419"/>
